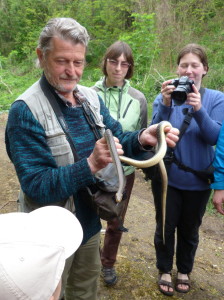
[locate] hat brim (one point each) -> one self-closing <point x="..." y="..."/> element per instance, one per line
<point x="51" y="225"/>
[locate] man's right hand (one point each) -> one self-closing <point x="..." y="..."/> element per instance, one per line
<point x="100" y="157"/>
<point x="218" y="201"/>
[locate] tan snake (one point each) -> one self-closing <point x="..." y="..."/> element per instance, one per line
<point x="161" y="149"/>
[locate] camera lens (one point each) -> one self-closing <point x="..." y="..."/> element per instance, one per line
<point x="179" y="96"/>
<point x="183" y="87"/>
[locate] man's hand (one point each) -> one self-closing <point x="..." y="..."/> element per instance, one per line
<point x="218" y="201"/>
<point x="148" y="136"/>
<point x="100" y="157"/>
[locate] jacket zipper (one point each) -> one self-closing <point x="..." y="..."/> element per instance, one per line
<point x="126" y="110"/>
<point x="120" y="91"/>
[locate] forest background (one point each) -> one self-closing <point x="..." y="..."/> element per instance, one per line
<point x="155" y="30"/>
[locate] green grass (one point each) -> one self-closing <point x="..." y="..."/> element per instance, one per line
<point x="15" y="80"/>
<point x="13" y="83"/>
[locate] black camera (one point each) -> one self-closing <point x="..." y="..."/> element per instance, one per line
<point x="183" y="87"/>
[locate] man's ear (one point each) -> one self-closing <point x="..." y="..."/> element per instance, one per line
<point x="40" y="56"/>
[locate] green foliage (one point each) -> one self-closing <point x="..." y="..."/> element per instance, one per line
<point x="3" y="62"/>
<point x="142" y="36"/>
<point x="90" y="76"/>
<point x="24" y="23"/>
<point x="155" y="30"/>
<point x="143" y="40"/>
<point x="105" y="20"/>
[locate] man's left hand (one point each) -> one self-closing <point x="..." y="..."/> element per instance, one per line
<point x="149" y="138"/>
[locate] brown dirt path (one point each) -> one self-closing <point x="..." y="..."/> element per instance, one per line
<point x="136" y="258"/>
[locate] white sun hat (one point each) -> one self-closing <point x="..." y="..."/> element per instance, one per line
<point x="33" y="250"/>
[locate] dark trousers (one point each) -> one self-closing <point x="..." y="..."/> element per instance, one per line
<point x="184" y="213"/>
<point x="113" y="234"/>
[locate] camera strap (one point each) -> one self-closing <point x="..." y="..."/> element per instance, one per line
<point x="186" y="122"/>
<point x="170" y="157"/>
<point x="170" y="151"/>
<point x="188" y="117"/>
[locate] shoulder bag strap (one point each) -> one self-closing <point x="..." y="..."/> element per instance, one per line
<point x="81" y="99"/>
<point x="54" y="103"/>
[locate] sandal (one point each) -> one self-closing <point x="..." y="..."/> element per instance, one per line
<point x="165" y="283"/>
<point x="184" y="282"/>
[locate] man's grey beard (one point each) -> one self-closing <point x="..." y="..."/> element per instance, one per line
<point x="58" y="87"/>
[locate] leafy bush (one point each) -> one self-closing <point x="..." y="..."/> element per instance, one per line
<point x="143" y="40"/>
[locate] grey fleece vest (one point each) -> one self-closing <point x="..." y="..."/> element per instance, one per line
<point x="56" y="138"/>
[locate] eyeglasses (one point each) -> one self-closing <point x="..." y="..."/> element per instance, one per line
<point x="115" y="63"/>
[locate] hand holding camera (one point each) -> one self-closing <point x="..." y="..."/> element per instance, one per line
<point x="183" y="87"/>
<point x="178" y="90"/>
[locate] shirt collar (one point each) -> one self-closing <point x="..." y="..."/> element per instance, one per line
<point x="65" y="101"/>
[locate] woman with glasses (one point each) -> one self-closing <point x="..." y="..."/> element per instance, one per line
<point x="129" y="107"/>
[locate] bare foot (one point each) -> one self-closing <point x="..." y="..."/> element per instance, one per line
<point x="167" y="289"/>
<point x="183" y="283"/>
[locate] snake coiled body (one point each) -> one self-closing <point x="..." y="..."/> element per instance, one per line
<point x="161" y="149"/>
